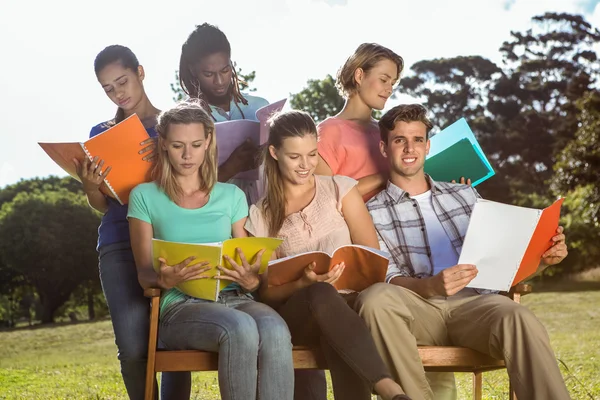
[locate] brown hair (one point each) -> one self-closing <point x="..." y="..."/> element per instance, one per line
<point x="406" y="113"/>
<point x="190" y="112"/>
<point x="282" y="125"/>
<point x="365" y="57"/>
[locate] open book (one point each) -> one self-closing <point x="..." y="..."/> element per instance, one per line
<point x="365" y="266"/>
<point x="454" y="153"/>
<point x="506" y="242"/>
<point x="118" y="146"/>
<point x="231" y="134"/>
<point x="208" y="289"/>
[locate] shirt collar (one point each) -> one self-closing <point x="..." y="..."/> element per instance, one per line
<point x="398" y="194"/>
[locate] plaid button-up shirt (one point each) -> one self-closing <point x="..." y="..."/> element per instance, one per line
<point x="401" y="228"/>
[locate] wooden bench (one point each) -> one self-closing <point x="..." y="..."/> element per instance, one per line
<point x="434" y="358"/>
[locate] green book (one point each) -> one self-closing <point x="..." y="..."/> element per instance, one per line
<point x="461" y="159"/>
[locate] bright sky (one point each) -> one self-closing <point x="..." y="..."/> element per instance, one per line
<point x="48" y="90"/>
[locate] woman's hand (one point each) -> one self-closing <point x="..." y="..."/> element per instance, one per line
<point x="150" y="148"/>
<point x="172" y="275"/>
<point x="90" y="173"/>
<point x="246" y="275"/>
<point x="331" y="277"/>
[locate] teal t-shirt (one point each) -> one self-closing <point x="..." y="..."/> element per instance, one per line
<point x="208" y="224"/>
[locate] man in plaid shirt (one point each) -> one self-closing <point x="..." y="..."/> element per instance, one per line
<point x="422" y="224"/>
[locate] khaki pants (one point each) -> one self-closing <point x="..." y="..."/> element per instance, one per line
<point x="400" y="320"/>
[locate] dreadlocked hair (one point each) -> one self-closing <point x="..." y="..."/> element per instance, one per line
<point x="205" y="40"/>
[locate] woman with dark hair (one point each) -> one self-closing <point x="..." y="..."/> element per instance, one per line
<point x="121" y="76"/>
<point x="206" y="72"/>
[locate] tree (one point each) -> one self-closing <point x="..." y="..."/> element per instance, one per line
<point x="548" y="69"/>
<point x="523" y="114"/>
<point x="320" y="99"/>
<point x="49" y="238"/>
<point x="452" y="88"/>
<point x="576" y="177"/>
<point x="245" y="81"/>
<point x="39" y="185"/>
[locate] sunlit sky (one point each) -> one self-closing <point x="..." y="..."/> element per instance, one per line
<point x="48" y="90"/>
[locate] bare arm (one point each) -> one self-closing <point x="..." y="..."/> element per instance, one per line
<point x="323" y="168"/>
<point x="370" y="183"/>
<point x="92" y="174"/>
<point x="97" y="200"/>
<point x="358" y="219"/>
<point x="141" y="234"/>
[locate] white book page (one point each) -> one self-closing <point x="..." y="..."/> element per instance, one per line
<point x="495" y="243"/>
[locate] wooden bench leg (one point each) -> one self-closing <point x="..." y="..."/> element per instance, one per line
<point x="151" y="363"/>
<point x="511" y="392"/>
<point x="477" y="385"/>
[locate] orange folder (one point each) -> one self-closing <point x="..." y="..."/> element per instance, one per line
<point x="540" y="242"/>
<point x="365" y="266"/>
<point x="119" y="147"/>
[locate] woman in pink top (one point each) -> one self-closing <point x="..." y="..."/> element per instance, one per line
<point x="349" y="142"/>
<point x="310" y="213"/>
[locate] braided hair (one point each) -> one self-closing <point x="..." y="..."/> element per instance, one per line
<point x="205" y="40"/>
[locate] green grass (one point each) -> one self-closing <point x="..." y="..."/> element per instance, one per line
<point x="78" y="361"/>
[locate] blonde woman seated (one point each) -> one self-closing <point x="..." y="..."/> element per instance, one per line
<point x="185" y="203"/>
<point x="318" y="213"/>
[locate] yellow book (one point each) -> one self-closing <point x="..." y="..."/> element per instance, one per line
<point x="176" y="252"/>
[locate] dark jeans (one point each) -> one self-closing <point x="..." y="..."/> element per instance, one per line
<point x="319" y="315"/>
<point x="130" y="315"/>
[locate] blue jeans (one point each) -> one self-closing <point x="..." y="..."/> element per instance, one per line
<point x="253" y="342"/>
<point x="130" y="315"/>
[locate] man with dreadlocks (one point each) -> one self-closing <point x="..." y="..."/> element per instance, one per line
<point x="207" y="73"/>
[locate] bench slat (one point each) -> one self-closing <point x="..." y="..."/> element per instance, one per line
<point x="434" y="358"/>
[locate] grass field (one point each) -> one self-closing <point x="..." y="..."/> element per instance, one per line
<point x="78" y="361"/>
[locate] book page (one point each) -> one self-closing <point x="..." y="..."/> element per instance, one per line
<point x="289" y="269"/>
<point x="250" y="246"/>
<point x="264" y="113"/>
<point x="119" y="147"/>
<point x="174" y="253"/>
<point x="63" y="154"/>
<point x="365" y="266"/>
<point x="496" y="240"/>
<point x="230" y="135"/>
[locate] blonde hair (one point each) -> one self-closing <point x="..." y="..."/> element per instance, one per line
<point x="282" y="125"/>
<point x="189" y="112"/>
<point x="365" y="57"/>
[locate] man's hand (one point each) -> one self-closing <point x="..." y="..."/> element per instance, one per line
<point x="463" y="181"/>
<point x="558" y="251"/>
<point x="452" y="280"/>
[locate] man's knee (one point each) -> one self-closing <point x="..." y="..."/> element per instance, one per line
<point x="375" y="299"/>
